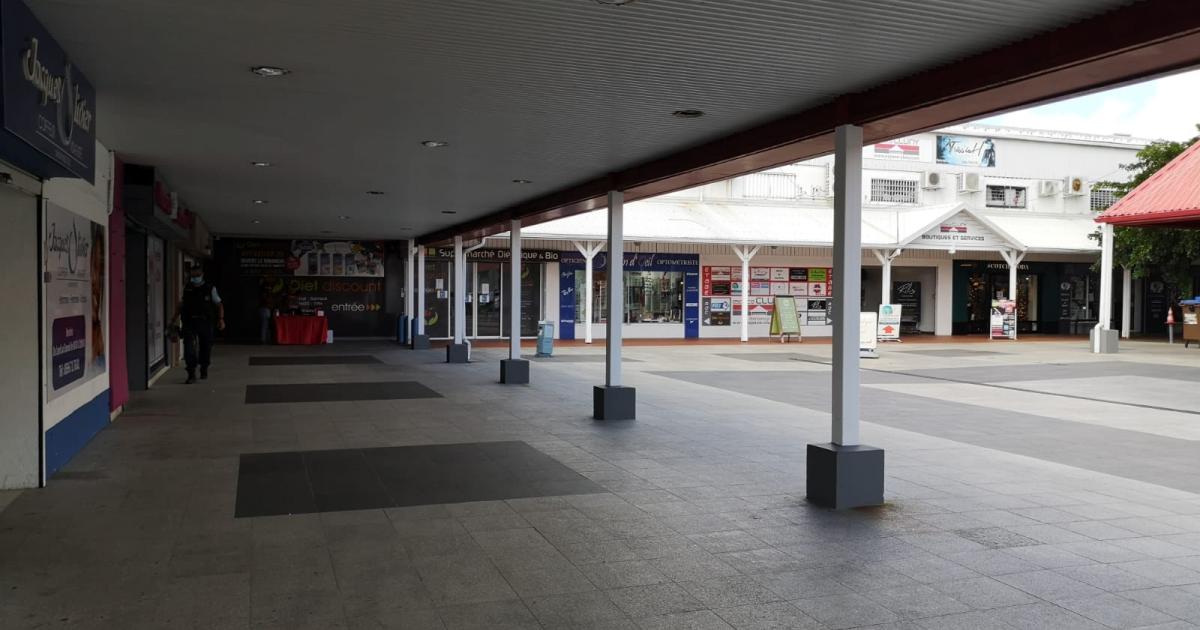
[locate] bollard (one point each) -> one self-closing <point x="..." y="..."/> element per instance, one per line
<point x="1170" y="325"/>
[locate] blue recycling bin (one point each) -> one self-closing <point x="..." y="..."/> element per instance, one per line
<point x="402" y="330"/>
<point x="545" y="339"/>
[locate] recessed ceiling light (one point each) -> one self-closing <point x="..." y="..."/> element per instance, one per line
<point x="260" y="164"/>
<point x="327" y="231"/>
<point x="343" y="217"/>
<point x="615" y="3"/>
<point x="687" y="113"/>
<point x="255" y="221"/>
<point x="374" y="192"/>
<point x="449" y="211"/>
<point x="522" y="181"/>
<point x="434" y="144"/>
<point x="259" y="202"/>
<point x="269" y="72"/>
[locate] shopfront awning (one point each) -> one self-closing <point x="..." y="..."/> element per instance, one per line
<point x="944" y="226"/>
<point x="1168" y="198"/>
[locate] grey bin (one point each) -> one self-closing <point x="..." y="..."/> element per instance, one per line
<point x="545" y="338"/>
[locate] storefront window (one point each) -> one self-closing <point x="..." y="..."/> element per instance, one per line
<point x="651" y="297"/>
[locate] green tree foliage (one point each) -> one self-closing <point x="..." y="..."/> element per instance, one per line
<point x="1147" y="251"/>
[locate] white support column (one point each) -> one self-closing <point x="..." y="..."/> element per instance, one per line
<point x="885" y="261"/>
<point x="616" y="287"/>
<point x="514" y="290"/>
<point x="847" y="269"/>
<point x="1126" y="302"/>
<point x="589" y="250"/>
<point x="614" y="401"/>
<point x="746" y="255"/>
<point x="409" y="273"/>
<point x="846" y="473"/>
<point x="1102" y="340"/>
<point x="420" y="314"/>
<point x="460" y="292"/>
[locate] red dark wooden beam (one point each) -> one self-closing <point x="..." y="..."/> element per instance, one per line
<point x="1138" y="41"/>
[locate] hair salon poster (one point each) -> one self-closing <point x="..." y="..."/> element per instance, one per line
<point x="74" y="275"/>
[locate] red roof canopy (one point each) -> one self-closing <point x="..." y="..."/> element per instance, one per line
<point x="1169" y="198"/>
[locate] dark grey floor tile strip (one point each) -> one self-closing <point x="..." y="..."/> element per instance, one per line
<point x="951" y="353"/>
<point x="1130" y="454"/>
<point x="271" y="484"/>
<point x="578" y="358"/>
<point x="316" y="359"/>
<point x="337" y="392"/>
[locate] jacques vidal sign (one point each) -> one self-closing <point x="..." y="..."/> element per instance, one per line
<point x="48" y="102"/>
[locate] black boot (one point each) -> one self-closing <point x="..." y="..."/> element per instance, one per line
<point x="190" y="379"/>
<point x="203" y="372"/>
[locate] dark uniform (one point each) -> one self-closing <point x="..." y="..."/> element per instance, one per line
<point x="199" y="314"/>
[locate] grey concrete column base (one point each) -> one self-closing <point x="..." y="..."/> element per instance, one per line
<point x="614" y="403"/>
<point x="514" y="371"/>
<point x="1109" y="340"/>
<point x="843" y="477"/>
<point x="457" y="353"/>
<point x="420" y="342"/>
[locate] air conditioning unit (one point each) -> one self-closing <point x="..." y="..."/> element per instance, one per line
<point x="931" y="180"/>
<point x="1074" y="185"/>
<point x="1048" y="188"/>
<point x="970" y="183"/>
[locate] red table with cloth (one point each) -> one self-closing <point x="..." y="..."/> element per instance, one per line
<point x="305" y="330"/>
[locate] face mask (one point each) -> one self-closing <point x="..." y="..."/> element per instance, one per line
<point x="198" y="281"/>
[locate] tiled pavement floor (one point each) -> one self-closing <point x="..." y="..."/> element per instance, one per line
<point x="703" y="522"/>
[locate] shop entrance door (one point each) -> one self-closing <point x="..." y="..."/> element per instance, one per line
<point x="488" y="302"/>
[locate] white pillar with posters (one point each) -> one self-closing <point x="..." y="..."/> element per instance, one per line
<point x="1103" y="339"/>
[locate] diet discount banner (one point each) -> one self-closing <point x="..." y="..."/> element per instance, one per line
<point x="74" y="267"/>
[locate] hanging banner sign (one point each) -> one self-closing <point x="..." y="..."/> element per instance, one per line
<point x="47" y="100"/>
<point x="889" y="322"/>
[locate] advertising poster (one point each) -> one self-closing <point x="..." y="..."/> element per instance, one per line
<point x="964" y="151"/>
<point x="1004" y="319"/>
<point x="345" y="279"/>
<point x="156" y="301"/>
<point x="779" y="288"/>
<point x="717" y="311"/>
<point x="898" y="149"/>
<point x="907" y="294"/>
<point x="889" y="322"/>
<point x="766" y="283"/>
<point x="75" y="274"/>
<point x="867" y="325"/>
<point x="779" y="274"/>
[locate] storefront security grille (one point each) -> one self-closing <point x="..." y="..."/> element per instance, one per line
<point x="1102" y="198"/>
<point x="769" y="186"/>
<point x="1006" y="197"/>
<point x="893" y="191"/>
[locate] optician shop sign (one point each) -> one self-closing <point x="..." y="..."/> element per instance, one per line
<point x="48" y="102"/>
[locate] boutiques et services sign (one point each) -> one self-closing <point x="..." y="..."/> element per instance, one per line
<point x="48" y="102"/>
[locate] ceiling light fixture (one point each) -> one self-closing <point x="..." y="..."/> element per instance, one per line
<point x="260" y="164"/>
<point x="449" y="211"/>
<point x="269" y="72"/>
<point x="434" y="144"/>
<point x="259" y="202"/>
<point x="615" y="3"/>
<point x="687" y="113"/>
<point x="375" y="192"/>
<point x="522" y="181"/>
<point x="343" y="217"/>
<point x="255" y="221"/>
<point x="327" y="231"/>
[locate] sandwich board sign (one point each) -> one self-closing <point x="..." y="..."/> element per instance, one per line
<point x="868" y="322"/>
<point x="785" y="321"/>
<point x="888" y="328"/>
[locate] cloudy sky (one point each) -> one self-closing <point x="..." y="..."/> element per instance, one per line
<point x="1162" y="108"/>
